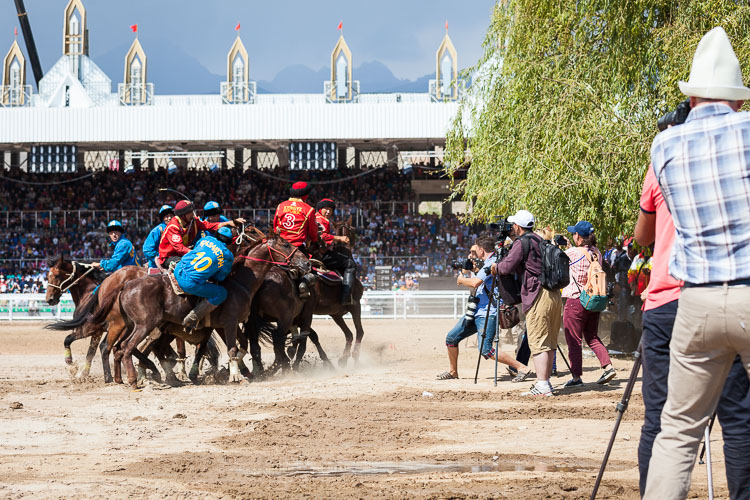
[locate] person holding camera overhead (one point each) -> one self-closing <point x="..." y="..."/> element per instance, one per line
<point x="703" y="170"/>
<point x="483" y="256"/>
<point x="542" y="307"/>
<point x="579" y="323"/>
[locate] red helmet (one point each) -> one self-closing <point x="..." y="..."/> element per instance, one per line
<point x="183" y="207"/>
<point x="300" y="189"/>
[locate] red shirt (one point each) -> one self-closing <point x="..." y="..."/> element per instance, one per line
<point x="324" y="225"/>
<point x="177" y="239"/>
<point x="662" y="288"/>
<point x="295" y="221"/>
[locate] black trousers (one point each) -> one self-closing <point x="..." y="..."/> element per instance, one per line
<point x="733" y="410"/>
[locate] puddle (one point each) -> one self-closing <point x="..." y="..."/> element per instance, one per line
<point x="373" y="468"/>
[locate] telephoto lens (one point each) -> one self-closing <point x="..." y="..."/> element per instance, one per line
<point x="471" y="308"/>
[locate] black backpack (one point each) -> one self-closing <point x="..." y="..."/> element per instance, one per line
<point x="555" y="273"/>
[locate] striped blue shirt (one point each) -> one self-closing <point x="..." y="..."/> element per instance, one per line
<point x="703" y="169"/>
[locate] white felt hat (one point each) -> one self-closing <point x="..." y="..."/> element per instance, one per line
<point x="715" y="73"/>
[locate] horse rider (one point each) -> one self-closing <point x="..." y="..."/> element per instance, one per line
<point x="151" y="244"/>
<point x="124" y="253"/>
<point x="332" y="258"/>
<point x="295" y="222"/>
<point x="212" y="212"/>
<point x="211" y="258"/>
<point x="183" y="231"/>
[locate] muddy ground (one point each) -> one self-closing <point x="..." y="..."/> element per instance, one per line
<point x="382" y="428"/>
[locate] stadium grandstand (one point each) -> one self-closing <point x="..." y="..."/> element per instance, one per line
<point x="79" y="151"/>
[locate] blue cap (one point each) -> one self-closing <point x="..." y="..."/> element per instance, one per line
<point x="166" y="208"/>
<point x="583" y="228"/>
<point x="225" y="231"/>
<point x="115" y="225"/>
<point x="211" y="205"/>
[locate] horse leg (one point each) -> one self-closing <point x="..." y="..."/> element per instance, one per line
<point x="181" y="356"/>
<point x="195" y="369"/>
<point x="255" y="352"/>
<point x="242" y="352"/>
<point x="147" y="363"/>
<point x="316" y="342"/>
<point x="95" y="337"/>
<point x="300" y="348"/>
<point x="126" y="352"/>
<point x="356" y="310"/>
<point x="339" y="320"/>
<point x="230" y="339"/>
<point x="78" y="333"/>
<point x="104" y="349"/>
<point x="279" y="342"/>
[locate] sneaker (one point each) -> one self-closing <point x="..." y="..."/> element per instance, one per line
<point x="608" y="375"/>
<point x="534" y="391"/>
<point x="573" y="383"/>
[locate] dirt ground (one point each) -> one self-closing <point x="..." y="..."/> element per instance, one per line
<point x="382" y="428"/>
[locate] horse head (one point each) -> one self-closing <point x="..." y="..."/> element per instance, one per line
<point x="345" y="228"/>
<point x="59" y="272"/>
<point x="289" y="254"/>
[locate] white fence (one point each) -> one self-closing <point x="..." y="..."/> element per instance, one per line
<point x="375" y="305"/>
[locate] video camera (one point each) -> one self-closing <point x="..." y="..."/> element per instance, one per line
<point x="676" y="117"/>
<point x="502" y="227"/>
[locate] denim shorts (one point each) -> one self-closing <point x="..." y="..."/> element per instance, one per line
<point x="462" y="330"/>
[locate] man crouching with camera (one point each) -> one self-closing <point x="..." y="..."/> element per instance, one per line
<point x="481" y="257"/>
<point x="542" y="307"/>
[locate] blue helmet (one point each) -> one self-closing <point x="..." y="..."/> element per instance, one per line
<point x="115" y="225"/>
<point x="224" y="234"/>
<point x="211" y="208"/>
<point x="165" y="209"/>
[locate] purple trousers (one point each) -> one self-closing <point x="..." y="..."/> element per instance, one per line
<point x="579" y="325"/>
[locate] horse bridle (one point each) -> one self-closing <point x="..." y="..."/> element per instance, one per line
<point x="287" y="258"/>
<point x="63" y="287"/>
<point x="243" y="234"/>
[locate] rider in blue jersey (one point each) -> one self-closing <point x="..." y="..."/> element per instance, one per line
<point x="124" y="254"/>
<point x="210" y="258"/>
<point x="212" y="212"/>
<point x="151" y="244"/>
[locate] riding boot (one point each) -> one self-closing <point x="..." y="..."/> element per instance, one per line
<point x="346" y="286"/>
<point x="305" y="285"/>
<point x="201" y="309"/>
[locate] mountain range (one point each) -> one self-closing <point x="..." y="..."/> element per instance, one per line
<point x="174" y="71"/>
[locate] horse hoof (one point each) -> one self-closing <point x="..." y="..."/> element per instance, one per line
<point x="234" y="371"/>
<point x="175" y="382"/>
<point x="342" y="362"/>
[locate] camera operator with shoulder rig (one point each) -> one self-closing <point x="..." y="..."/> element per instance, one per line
<point x="481" y="258"/>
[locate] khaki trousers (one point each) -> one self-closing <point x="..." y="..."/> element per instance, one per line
<point x="711" y="328"/>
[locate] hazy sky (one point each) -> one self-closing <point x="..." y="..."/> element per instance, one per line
<point x="403" y="34"/>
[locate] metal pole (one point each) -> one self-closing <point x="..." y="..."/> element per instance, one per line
<point x="497" y="344"/>
<point x="23" y="19"/>
<point x="709" y="471"/>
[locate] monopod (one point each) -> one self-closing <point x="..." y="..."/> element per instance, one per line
<point x="484" y="330"/>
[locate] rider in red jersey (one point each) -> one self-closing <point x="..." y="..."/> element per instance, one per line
<point x="338" y="258"/>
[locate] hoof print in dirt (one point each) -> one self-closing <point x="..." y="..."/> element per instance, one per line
<point x="179" y="415"/>
<point x="15" y="405"/>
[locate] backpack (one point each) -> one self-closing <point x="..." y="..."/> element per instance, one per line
<point x="594" y="296"/>
<point x="555" y="273"/>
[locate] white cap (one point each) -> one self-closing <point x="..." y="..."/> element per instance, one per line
<point x="715" y="73"/>
<point x="523" y="218"/>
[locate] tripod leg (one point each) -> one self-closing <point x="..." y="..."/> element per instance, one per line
<point x="621" y="407"/>
<point x="497" y="347"/>
<point x="710" y="428"/>
<point x="709" y="472"/>
<point x="484" y="332"/>
<point x="559" y="349"/>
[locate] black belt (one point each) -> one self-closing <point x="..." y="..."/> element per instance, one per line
<point x="742" y="282"/>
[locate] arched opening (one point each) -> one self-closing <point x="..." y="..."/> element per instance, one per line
<point x="342" y="84"/>
<point x="136" y="79"/>
<point x="74" y="32"/>
<point x="446" y="76"/>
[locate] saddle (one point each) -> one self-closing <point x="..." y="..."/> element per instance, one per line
<point x="329" y="276"/>
<point x="176" y="286"/>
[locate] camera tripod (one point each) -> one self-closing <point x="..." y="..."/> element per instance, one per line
<point x="623" y="405"/>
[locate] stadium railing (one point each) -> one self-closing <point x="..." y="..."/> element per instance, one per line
<point x="392" y="305"/>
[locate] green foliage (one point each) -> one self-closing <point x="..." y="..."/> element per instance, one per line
<point x="564" y="104"/>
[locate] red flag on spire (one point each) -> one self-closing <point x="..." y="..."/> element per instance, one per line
<point x="15" y="31"/>
<point x="446" y="25"/>
<point x="134" y="28"/>
<point x="237" y="28"/>
<point x="341" y="25"/>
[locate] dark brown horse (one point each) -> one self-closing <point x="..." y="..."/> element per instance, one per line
<point x="328" y="297"/>
<point x="150" y="302"/>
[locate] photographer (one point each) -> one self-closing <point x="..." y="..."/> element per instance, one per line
<point x="542" y="307"/>
<point x="484" y="253"/>
<point x="701" y="168"/>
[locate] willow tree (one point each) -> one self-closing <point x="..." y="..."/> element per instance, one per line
<point x="563" y="108"/>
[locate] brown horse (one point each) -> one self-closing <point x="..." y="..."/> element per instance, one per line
<point x="278" y="301"/>
<point x="150" y="302"/>
<point x="328" y="296"/>
<point x="86" y="284"/>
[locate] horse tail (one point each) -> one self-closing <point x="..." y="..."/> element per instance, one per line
<point x="80" y="316"/>
<point x="100" y="315"/>
<point x="212" y="350"/>
<point x="266" y="331"/>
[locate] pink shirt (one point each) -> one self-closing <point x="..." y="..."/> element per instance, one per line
<point x="662" y="288"/>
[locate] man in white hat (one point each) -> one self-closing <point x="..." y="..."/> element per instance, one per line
<point x="703" y="170"/>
